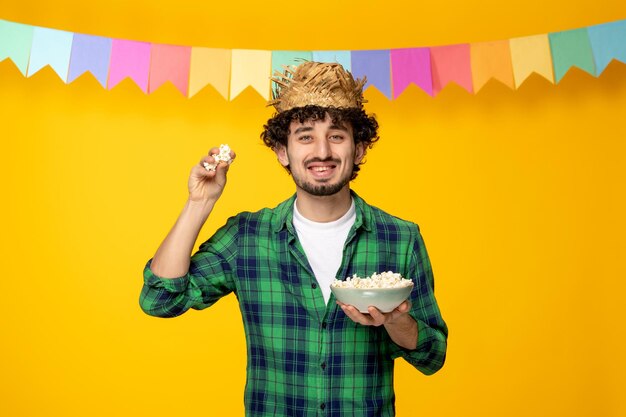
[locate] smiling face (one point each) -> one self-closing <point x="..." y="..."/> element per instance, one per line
<point x="320" y="156"/>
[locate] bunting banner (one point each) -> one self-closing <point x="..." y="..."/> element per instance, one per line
<point x="230" y="71"/>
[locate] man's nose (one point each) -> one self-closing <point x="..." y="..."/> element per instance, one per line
<point x="322" y="148"/>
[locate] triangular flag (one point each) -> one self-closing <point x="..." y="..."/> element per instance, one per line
<point x="169" y="63"/>
<point x="280" y="58"/>
<point x="451" y="63"/>
<point x="376" y="66"/>
<point x="571" y="48"/>
<point x="340" y="57"/>
<point x="491" y="60"/>
<point x="15" y="43"/>
<point x="411" y="65"/>
<point x="129" y="59"/>
<point x="51" y="47"/>
<point x="250" y="68"/>
<point x="90" y="53"/>
<point x="608" y="42"/>
<point x="209" y="66"/>
<point x="531" y="54"/>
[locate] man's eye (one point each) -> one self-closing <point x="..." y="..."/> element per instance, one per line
<point x="336" y="138"/>
<point x="305" y="138"/>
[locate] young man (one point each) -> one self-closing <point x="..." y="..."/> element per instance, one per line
<point x="307" y="354"/>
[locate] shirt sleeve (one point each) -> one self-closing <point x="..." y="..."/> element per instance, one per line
<point x="430" y="354"/>
<point x="210" y="277"/>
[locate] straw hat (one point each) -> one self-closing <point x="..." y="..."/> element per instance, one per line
<point x="316" y="83"/>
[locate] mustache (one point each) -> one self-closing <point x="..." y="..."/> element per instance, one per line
<point x="329" y="159"/>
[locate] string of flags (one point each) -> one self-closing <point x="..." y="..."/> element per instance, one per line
<point x="391" y="71"/>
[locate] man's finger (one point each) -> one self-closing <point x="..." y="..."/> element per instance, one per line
<point x="404" y="307"/>
<point x="355" y="315"/>
<point x="201" y="172"/>
<point x="377" y="316"/>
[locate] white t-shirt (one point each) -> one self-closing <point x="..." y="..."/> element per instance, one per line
<point x="323" y="245"/>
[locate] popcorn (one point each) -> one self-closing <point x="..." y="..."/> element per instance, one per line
<point x="383" y="280"/>
<point x="222" y="156"/>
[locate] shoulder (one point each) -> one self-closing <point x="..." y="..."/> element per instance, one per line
<point x="242" y="228"/>
<point x="263" y="219"/>
<point x="384" y="222"/>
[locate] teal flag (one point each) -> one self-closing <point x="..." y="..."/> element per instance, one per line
<point x="571" y="48"/>
<point x="340" y="57"/>
<point x="15" y="43"/>
<point x="280" y="58"/>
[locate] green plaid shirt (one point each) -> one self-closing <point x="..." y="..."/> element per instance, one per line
<point x="306" y="358"/>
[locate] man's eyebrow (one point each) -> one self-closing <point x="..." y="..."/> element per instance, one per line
<point x="338" y="127"/>
<point x="303" y="129"/>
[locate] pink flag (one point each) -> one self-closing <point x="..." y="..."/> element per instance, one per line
<point x="129" y="59"/>
<point x="411" y="66"/>
<point x="451" y="63"/>
<point x="170" y="63"/>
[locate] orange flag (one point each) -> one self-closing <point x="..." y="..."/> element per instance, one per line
<point x="491" y="60"/>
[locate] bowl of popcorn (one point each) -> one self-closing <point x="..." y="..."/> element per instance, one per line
<point x="385" y="291"/>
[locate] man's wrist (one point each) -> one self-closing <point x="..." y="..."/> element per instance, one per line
<point x="200" y="206"/>
<point x="403" y="320"/>
<point x="403" y="331"/>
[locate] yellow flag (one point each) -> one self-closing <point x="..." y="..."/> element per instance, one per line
<point x="531" y="54"/>
<point x="250" y="68"/>
<point x="209" y="66"/>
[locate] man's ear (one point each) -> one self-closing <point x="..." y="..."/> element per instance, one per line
<point x="359" y="152"/>
<point x="281" y="154"/>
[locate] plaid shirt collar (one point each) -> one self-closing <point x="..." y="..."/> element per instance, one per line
<point x="283" y="216"/>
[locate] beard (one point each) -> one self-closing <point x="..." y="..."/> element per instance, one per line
<point x="322" y="189"/>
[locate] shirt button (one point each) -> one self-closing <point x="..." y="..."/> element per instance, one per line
<point x="323" y="365"/>
<point x="314" y="285"/>
<point x="324" y="325"/>
<point x="322" y="406"/>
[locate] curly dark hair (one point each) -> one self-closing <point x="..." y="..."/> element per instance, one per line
<point x="364" y="126"/>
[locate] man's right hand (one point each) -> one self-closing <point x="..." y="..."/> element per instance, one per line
<point x="172" y="258"/>
<point x="206" y="186"/>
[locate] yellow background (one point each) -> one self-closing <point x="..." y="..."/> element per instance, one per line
<point x="519" y="194"/>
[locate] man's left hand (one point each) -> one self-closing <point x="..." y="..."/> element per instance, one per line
<point x="375" y="316"/>
<point x="400" y="326"/>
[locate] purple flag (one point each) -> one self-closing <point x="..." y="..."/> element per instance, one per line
<point x="375" y="65"/>
<point x="90" y="53"/>
<point x="411" y="66"/>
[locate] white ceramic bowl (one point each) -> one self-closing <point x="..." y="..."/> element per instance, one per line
<point x="384" y="299"/>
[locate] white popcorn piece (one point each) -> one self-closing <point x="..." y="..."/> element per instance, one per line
<point x="222" y="156"/>
<point x="383" y="280"/>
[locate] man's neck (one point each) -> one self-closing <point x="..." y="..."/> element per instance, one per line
<point x="324" y="208"/>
